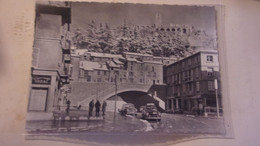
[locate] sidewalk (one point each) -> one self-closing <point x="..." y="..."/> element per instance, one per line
<point x="39" y="116"/>
<point x="198" y="116"/>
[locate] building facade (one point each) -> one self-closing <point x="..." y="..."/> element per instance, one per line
<point x="190" y="82"/>
<point x="102" y="67"/>
<point x="51" y="55"/>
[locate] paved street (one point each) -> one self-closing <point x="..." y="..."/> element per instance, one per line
<point x="170" y="123"/>
<point x="130" y="129"/>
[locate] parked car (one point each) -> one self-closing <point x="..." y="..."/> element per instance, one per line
<point x="151" y="113"/>
<point x="128" y="109"/>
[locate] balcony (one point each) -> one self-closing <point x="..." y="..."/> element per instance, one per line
<point x="188" y="79"/>
<point x="65" y="44"/>
<point x="67" y="58"/>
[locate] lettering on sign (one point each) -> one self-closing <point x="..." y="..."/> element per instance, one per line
<point x="41" y="80"/>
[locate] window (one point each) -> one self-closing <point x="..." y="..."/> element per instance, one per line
<point x="197" y="86"/>
<point x="154" y="74"/>
<point x="85" y="73"/>
<point x="197" y="72"/>
<point x="158" y="81"/>
<point x="131" y="68"/>
<point x="89" y="78"/>
<point x="191" y="74"/>
<point x="183" y="88"/>
<point x="105" y="73"/>
<point x="184" y="30"/>
<point x="210" y="71"/>
<point x="98" y="72"/>
<point x="210" y="58"/>
<point x="152" y="68"/>
<point x="189" y="61"/>
<point x="210" y="85"/>
<point x="195" y="59"/>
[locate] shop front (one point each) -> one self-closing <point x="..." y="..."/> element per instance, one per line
<point x="44" y="91"/>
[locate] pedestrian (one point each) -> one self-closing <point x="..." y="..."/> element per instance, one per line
<point x="91" y="106"/>
<point x="200" y="108"/>
<point x="68" y="106"/>
<point x="104" y="105"/>
<point x="59" y="104"/>
<point x="97" y="106"/>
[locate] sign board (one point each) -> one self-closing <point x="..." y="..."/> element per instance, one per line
<point x="38" y="79"/>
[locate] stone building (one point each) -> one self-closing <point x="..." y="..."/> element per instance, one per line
<point x="190" y="82"/>
<point x="51" y="55"/>
<point x="133" y="68"/>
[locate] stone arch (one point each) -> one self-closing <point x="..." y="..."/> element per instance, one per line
<point x="121" y="91"/>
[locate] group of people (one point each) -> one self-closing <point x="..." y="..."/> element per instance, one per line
<point x="97" y="108"/>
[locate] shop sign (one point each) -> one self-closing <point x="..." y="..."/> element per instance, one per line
<point x="36" y="79"/>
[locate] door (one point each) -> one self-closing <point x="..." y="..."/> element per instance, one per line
<point x="38" y="99"/>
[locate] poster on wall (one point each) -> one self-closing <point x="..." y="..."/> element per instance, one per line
<point x="122" y="73"/>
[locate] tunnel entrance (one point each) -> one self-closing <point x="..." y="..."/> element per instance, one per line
<point x="135" y="97"/>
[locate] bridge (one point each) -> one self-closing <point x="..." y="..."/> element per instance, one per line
<point x="83" y="92"/>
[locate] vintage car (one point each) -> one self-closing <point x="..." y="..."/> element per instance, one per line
<point x="128" y="109"/>
<point x="151" y="113"/>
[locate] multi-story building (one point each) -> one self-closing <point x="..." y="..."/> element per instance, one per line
<point x="100" y="57"/>
<point x="190" y="82"/>
<point x="51" y="55"/>
<point x="89" y="67"/>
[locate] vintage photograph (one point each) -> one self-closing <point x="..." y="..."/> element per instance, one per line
<point x="124" y="68"/>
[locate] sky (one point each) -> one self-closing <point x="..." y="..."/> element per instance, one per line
<point x="114" y="14"/>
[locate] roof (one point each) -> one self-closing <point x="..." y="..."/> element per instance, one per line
<point x="112" y="64"/>
<point x="118" y="62"/>
<point x="79" y="52"/>
<point x="137" y="54"/>
<point x="106" y="55"/>
<point x="165" y="58"/>
<point x="133" y="59"/>
<point x="201" y="51"/>
<point x="88" y="65"/>
<point x="153" y="62"/>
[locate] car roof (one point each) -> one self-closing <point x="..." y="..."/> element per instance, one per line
<point x="149" y="103"/>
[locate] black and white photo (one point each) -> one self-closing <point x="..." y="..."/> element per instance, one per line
<point x="121" y="68"/>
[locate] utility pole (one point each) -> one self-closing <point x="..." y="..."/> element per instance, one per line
<point x="216" y="89"/>
<point x="115" y="96"/>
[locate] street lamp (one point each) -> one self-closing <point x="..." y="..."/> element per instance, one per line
<point x="216" y="89"/>
<point x="115" y="94"/>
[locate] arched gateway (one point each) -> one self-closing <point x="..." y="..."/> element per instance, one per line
<point x="83" y="92"/>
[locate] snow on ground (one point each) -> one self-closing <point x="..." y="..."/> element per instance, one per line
<point x="148" y="125"/>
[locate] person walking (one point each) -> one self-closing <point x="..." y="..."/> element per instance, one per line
<point x="104" y="105"/>
<point x="91" y="106"/>
<point x="200" y="109"/>
<point x="97" y="106"/>
<point x="68" y="106"/>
